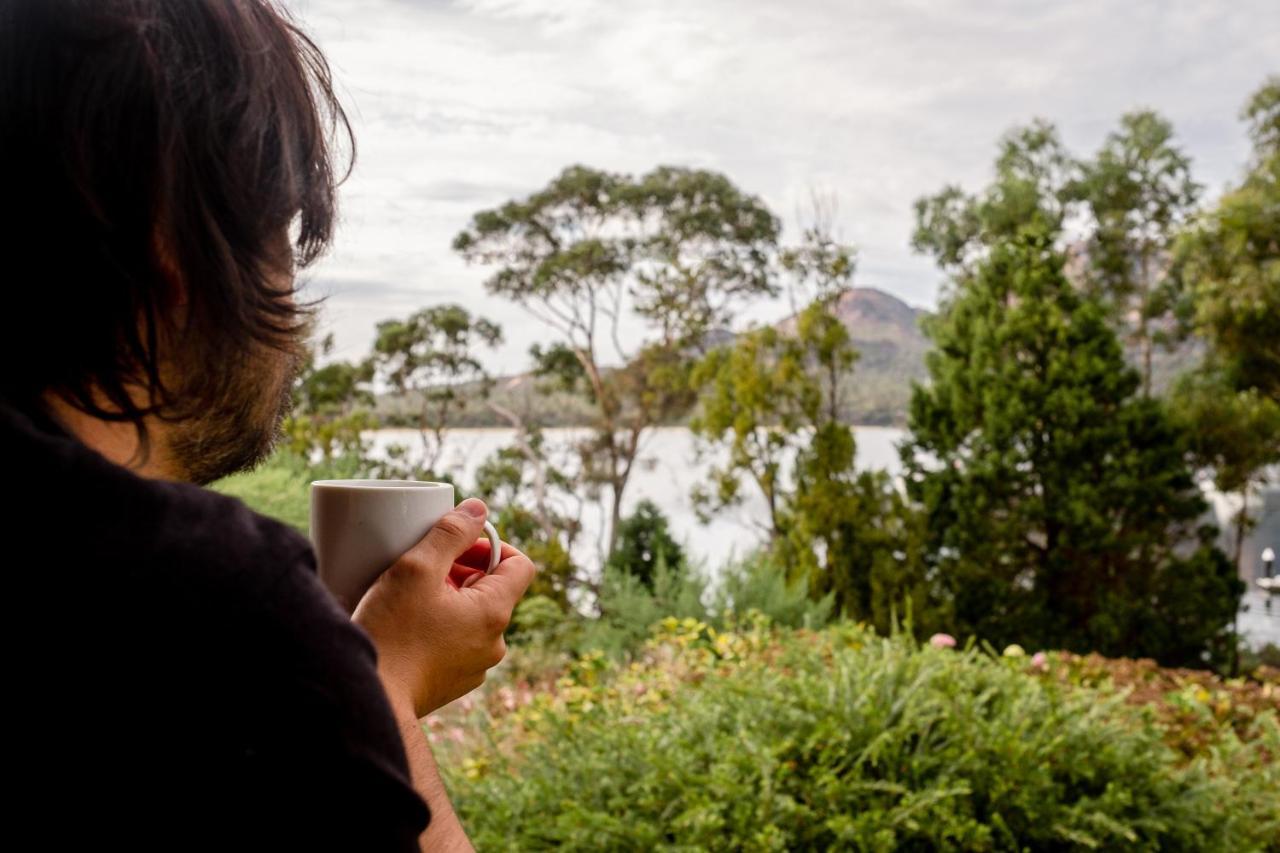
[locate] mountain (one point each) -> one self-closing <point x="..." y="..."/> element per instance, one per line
<point x="891" y="347"/>
<point x="885" y="330"/>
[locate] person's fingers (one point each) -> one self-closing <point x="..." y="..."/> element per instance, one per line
<point x="459" y="575"/>
<point x="477" y="556"/>
<point x="507" y="582"/>
<point x="449" y="538"/>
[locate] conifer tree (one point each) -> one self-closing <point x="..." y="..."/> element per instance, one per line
<point x="1060" y="509"/>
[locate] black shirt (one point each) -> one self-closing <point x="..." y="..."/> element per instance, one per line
<point x="178" y="677"/>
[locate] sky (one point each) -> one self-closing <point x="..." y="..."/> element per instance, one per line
<point x="460" y="105"/>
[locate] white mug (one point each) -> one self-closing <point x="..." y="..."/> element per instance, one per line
<point x="360" y="527"/>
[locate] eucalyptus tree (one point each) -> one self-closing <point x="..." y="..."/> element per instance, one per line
<point x="1034" y="183"/>
<point x="1227" y="273"/>
<point x="1139" y="194"/>
<point x="1228" y="262"/>
<point x="632" y="275"/>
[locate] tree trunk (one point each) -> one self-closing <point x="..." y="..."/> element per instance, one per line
<point x="1242" y="522"/>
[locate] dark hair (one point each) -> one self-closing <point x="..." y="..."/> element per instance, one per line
<point x="143" y="139"/>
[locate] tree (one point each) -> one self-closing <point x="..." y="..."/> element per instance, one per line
<point x="758" y="393"/>
<point x="535" y="507"/>
<point x="1227" y="272"/>
<point x="644" y="541"/>
<point x="773" y="395"/>
<point x="633" y="275"/>
<point x="331" y="406"/>
<point x="1234" y="436"/>
<point x="1139" y="192"/>
<point x="1061" y="511"/>
<point x="1227" y="263"/>
<point x="1034" y="180"/>
<point x="428" y="358"/>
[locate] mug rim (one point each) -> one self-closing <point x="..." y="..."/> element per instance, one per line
<point x="377" y="483"/>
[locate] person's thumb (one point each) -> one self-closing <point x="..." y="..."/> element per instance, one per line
<point x="450" y="537"/>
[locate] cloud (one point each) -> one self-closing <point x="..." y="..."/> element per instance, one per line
<point x="460" y="106"/>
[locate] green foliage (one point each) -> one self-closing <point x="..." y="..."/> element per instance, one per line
<point x="643" y="542"/>
<point x="629" y="609"/>
<point x="856" y="538"/>
<point x="1060" y="508"/>
<point x="754" y="739"/>
<point x="759" y="584"/>
<point x="1233" y="434"/>
<point x="1139" y="193"/>
<point x="773" y="396"/>
<point x="677" y="249"/>
<point x="330" y="436"/>
<point x="533" y="503"/>
<point x="1034" y="176"/>
<point x="432" y="354"/>
<point x="1228" y="263"/>
<point x="1262" y="112"/>
<point x="330" y="407"/>
<point x="281" y="486"/>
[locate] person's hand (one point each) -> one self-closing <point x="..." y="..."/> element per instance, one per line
<point x="435" y="619"/>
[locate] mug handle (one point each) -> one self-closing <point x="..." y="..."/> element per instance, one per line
<point x="495" y="546"/>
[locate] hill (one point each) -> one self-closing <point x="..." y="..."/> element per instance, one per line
<point x="885" y="330"/>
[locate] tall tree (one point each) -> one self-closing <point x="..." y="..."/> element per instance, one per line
<point x="1228" y="262"/>
<point x="1139" y="193"/>
<point x="1034" y="181"/>
<point x="633" y="275"/>
<point x="1061" y="511"/>
<point x="772" y="397"/>
<point x="1227" y="272"/>
<point x="429" y="358"/>
<point x="760" y="392"/>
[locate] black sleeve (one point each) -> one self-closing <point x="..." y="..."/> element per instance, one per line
<point x="329" y="770"/>
<point x="303" y="740"/>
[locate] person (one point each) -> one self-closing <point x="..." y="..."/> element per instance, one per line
<point x="178" y="676"/>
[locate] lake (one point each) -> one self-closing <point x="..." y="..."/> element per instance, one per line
<point x="666" y="471"/>
<point x="669" y="467"/>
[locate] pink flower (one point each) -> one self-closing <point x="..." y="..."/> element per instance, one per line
<point x="942" y="641"/>
<point x="1040" y="661"/>
<point x="457" y="734"/>
<point x="507" y="697"/>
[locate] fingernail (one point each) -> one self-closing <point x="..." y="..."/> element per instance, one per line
<point x="474" y="507"/>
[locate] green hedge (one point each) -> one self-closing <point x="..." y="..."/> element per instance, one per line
<point x="763" y="739"/>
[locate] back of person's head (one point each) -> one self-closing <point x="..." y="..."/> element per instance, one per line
<point x="156" y="151"/>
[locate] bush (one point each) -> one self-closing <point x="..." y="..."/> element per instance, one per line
<point x="629" y="609"/>
<point x="758" y="583"/>
<point x="764" y="740"/>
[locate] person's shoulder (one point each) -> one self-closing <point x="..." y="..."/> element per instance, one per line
<point x="257" y="565"/>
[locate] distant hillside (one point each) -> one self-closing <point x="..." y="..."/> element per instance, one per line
<point x="891" y="347"/>
<point x="885" y="330"/>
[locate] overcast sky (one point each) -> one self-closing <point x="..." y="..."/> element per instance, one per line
<point x="460" y="105"/>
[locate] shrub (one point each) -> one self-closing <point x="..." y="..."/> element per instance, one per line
<point x="759" y="583"/>
<point x="629" y="609"/>
<point x="763" y="740"/>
